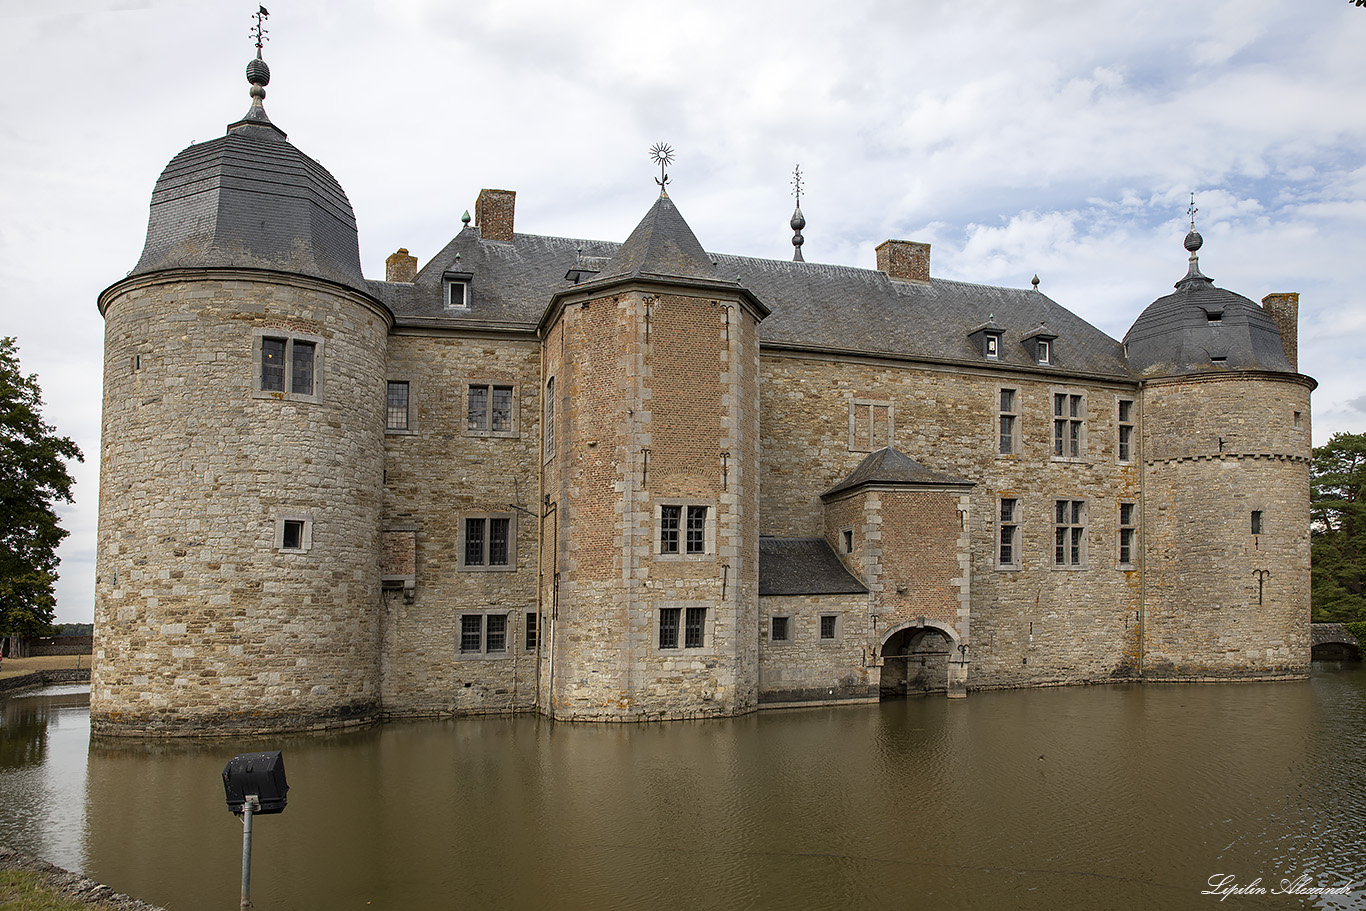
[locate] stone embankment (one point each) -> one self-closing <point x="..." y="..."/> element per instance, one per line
<point x="44" y="678"/>
<point x="72" y="885"/>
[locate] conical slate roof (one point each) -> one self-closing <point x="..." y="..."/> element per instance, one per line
<point x="889" y="466"/>
<point x="661" y="246"/>
<point x="251" y="200"/>
<point x="1203" y="329"/>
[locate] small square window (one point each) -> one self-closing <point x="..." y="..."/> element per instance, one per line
<point x="293" y="534"/>
<point x="293" y="538"/>
<point x="288" y="366"/>
<point x="780" y="629"/>
<point x="457" y="294"/>
<point x="829" y="627"/>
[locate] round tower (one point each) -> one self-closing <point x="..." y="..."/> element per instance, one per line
<point x="1225" y="487"/>
<point x="242" y="452"/>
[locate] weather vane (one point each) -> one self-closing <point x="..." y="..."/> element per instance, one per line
<point x="258" y="31"/>
<point x="797" y="184"/>
<point x="1192" y="210"/>
<point x="662" y="154"/>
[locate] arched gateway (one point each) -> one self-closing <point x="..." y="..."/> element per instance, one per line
<point x="922" y="657"/>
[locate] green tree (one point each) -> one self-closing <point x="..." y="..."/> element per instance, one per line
<point x="1338" y="528"/>
<point x="32" y="476"/>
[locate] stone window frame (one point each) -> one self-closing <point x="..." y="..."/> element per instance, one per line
<point x="1257" y="523"/>
<point x="1124" y="441"/>
<point x="873" y="438"/>
<point x="1016" y="520"/>
<point x="1126" y="537"/>
<point x="1063" y="428"/>
<point x="837" y="628"/>
<point x="486" y="567"/>
<point x="483" y="652"/>
<point x="845" y="540"/>
<point x="1014" y="416"/>
<point x="708" y="645"/>
<point x="708" y="529"/>
<point x="1071" y="534"/>
<point x="305" y="531"/>
<point x="791" y="629"/>
<point x="485" y="432"/>
<point x="411" y="426"/>
<point x="290" y="338"/>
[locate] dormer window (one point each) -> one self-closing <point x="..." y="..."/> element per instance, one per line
<point x="456" y="287"/>
<point x="1214" y="317"/>
<point x="988" y="339"/>
<point x="1039" y="344"/>
<point x="991" y="345"/>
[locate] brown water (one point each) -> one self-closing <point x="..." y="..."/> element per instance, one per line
<point x="1100" y="797"/>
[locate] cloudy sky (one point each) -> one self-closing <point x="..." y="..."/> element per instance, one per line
<point x="1057" y="137"/>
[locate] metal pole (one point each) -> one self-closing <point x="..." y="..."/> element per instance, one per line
<point x="247" y="806"/>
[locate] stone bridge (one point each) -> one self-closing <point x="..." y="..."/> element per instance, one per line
<point x="1333" y="642"/>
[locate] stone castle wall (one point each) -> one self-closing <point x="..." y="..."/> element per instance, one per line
<point x="1032" y="623"/>
<point x="204" y="622"/>
<point x="806" y="669"/>
<point x="440" y="472"/>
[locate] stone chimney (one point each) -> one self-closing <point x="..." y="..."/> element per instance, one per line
<point x="904" y="260"/>
<point x="400" y="267"/>
<point x="1284" y="309"/>
<point x="493" y="212"/>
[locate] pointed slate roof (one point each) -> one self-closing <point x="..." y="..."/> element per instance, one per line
<point x="661" y="246"/>
<point x="890" y="467"/>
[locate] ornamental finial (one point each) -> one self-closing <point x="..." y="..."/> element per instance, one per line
<point x="662" y="154"/>
<point x="258" y="31"/>
<point x="798" y="219"/>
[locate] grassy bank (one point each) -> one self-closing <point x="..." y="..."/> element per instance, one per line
<point x="30" y="884"/>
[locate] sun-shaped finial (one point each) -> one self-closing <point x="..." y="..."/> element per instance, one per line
<point x="662" y="154"/>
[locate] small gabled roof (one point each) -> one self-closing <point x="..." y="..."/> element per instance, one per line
<point x="803" y="566"/>
<point x="890" y="467"/>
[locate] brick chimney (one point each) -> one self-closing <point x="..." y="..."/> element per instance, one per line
<point x="400" y="266"/>
<point x="904" y="260"/>
<point x="1284" y="309"/>
<point x="493" y="212"/>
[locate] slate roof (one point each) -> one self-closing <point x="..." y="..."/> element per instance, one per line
<point x="803" y="566"/>
<point x="1175" y="335"/>
<point x="813" y="305"/>
<point x="889" y="466"/>
<point x="661" y="245"/>
<point x="250" y="199"/>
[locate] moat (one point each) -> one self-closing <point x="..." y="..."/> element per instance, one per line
<point x="1086" y="797"/>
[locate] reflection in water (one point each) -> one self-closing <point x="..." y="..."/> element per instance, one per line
<point x="1114" y="797"/>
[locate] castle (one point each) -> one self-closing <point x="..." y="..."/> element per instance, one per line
<point x="637" y="480"/>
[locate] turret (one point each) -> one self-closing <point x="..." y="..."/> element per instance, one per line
<point x="1225" y="452"/>
<point x="237" y="566"/>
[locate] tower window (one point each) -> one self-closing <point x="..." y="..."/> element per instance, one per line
<point x="396" y="407"/>
<point x="293" y="534"/>
<point x="288" y="366"/>
<point x="684" y="529"/>
<point x="1256" y="521"/>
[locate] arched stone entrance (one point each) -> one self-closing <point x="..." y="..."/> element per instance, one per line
<point x="921" y="658"/>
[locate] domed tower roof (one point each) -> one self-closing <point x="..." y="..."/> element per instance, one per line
<point x="1203" y="329"/>
<point x="251" y="200"/>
